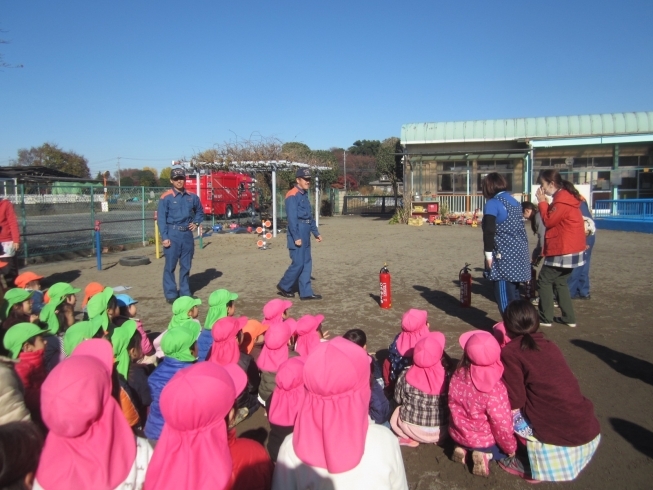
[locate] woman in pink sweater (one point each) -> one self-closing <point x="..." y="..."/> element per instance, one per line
<point x="481" y="421"/>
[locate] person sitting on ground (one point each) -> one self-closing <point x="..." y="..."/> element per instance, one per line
<point x="539" y="383"/>
<point x="253" y="338"/>
<point x="81" y="331"/>
<point x="379" y="404"/>
<point x="481" y="420"/>
<point x="224" y="351"/>
<point x="179" y="344"/>
<point x="24" y="341"/>
<point x="309" y="334"/>
<point x="184" y="308"/>
<point x="12" y="393"/>
<point x="21" y="444"/>
<point x="414" y="326"/>
<point x="29" y="281"/>
<point x="193" y="450"/>
<point x="336" y="445"/>
<point x="277" y="349"/>
<point x="89" y="444"/>
<point x="104" y="305"/>
<point x="221" y="304"/>
<point x="285" y="402"/>
<point x="128" y="310"/>
<point x="57" y="315"/>
<point x="421" y="392"/>
<point x="135" y="396"/>
<point x="17" y="308"/>
<point x="91" y="289"/>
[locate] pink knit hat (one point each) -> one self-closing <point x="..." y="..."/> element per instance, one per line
<point x="308" y="338"/>
<point x="288" y="395"/>
<point x="427" y="373"/>
<point x="275" y="350"/>
<point x="90" y="444"/>
<point x="192" y="451"/>
<point x="499" y="332"/>
<point x="273" y="311"/>
<point x="413" y="328"/>
<point x="484" y="352"/>
<point x="332" y="424"/>
<point x="224" y="349"/>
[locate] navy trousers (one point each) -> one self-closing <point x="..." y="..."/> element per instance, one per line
<point x="579" y="280"/>
<point x="505" y="292"/>
<point x="181" y="249"/>
<point x="298" y="275"/>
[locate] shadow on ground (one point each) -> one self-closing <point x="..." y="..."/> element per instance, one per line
<point x="624" y="364"/>
<point x="450" y="305"/>
<point x="202" y="279"/>
<point x="638" y="437"/>
<point x="66" y="276"/>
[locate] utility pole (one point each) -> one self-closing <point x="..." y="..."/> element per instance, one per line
<point x="118" y="165"/>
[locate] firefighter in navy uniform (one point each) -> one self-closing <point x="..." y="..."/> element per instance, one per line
<point x="300" y="226"/>
<point x="179" y="215"/>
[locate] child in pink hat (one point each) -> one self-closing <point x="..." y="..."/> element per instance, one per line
<point x="225" y="350"/>
<point x="89" y="443"/>
<point x="421" y="392"/>
<point x="334" y="444"/>
<point x="414" y="326"/>
<point x="277" y="349"/>
<point x="481" y="421"/>
<point x="285" y="402"/>
<point x="309" y="334"/>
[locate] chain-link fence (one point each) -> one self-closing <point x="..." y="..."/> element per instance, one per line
<point x="60" y="217"/>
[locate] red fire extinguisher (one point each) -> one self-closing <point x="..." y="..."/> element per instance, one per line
<point x="465" y="279"/>
<point x="385" y="298"/>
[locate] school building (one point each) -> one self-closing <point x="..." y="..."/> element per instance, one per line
<point x="608" y="156"/>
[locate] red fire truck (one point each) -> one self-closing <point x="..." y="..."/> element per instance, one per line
<point x="225" y="194"/>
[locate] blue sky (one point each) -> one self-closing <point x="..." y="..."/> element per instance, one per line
<point x="153" y="81"/>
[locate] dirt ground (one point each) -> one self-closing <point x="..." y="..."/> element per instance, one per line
<point x="610" y="350"/>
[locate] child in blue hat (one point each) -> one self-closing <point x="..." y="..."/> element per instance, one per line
<point x="128" y="311"/>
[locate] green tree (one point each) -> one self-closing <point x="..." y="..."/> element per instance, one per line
<point x="51" y="156"/>
<point x="127" y="182"/>
<point x="99" y="177"/>
<point x="164" y="176"/>
<point x="388" y="162"/>
<point x="296" y="152"/>
<point x="145" y="178"/>
<point x="365" y="147"/>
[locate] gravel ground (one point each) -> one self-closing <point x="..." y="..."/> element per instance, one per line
<point x="610" y="350"/>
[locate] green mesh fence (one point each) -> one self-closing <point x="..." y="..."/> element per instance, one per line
<point x="60" y="217"/>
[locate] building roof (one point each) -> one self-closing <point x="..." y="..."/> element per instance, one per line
<point x="36" y="173"/>
<point x="528" y="128"/>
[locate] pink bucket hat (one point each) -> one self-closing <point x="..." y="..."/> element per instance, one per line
<point x="90" y="443"/>
<point x="275" y="350"/>
<point x="413" y="328"/>
<point x="332" y="424"/>
<point x="273" y="310"/>
<point x="224" y="349"/>
<point x="193" y="451"/>
<point x="484" y="352"/>
<point x="499" y="332"/>
<point x="308" y="338"/>
<point x="289" y="393"/>
<point x="427" y="373"/>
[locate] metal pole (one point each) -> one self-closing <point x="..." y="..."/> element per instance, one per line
<point x="274" y="201"/>
<point x="157" y="238"/>
<point x="23" y="212"/>
<point x="345" y="171"/>
<point x="143" y="212"/>
<point x="92" y="211"/>
<point x="98" y="246"/>
<point x="317" y="201"/>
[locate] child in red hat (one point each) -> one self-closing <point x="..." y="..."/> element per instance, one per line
<point x="30" y="281"/>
